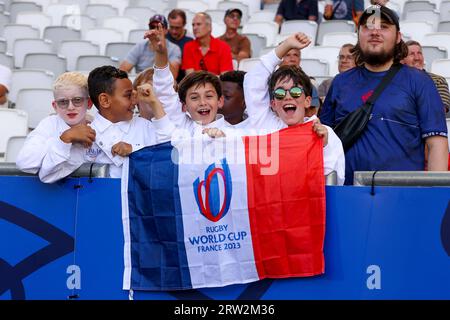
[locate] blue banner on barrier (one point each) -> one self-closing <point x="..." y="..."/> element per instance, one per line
<point x="65" y="241"/>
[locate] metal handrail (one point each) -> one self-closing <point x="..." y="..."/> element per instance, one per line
<point x="402" y="178"/>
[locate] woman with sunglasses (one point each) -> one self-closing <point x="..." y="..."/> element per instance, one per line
<point x="276" y="100"/>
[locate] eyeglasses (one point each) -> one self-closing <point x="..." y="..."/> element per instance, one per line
<point x="234" y="16"/>
<point x="76" y="102"/>
<point x="280" y="93"/>
<point x="203" y="65"/>
<point x="345" y="57"/>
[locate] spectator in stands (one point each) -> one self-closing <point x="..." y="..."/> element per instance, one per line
<point x="239" y="44"/>
<point x="58" y="137"/>
<point x="5" y="85"/>
<point x="293" y="58"/>
<point x="297" y="10"/>
<point x="279" y="99"/>
<point x="343" y="10"/>
<point x="408" y="114"/>
<point x="234" y="103"/>
<point x="141" y="56"/>
<point x="346" y="61"/>
<point x="415" y="59"/>
<point x="206" y="52"/>
<point x="145" y="77"/>
<point x="379" y="2"/>
<point x="177" y="33"/>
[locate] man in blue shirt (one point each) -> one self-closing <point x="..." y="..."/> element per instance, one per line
<point x="406" y="116"/>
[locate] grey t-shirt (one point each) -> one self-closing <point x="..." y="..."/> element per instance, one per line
<point x="142" y="57"/>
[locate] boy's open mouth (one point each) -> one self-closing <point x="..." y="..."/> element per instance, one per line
<point x="204" y="112"/>
<point x="289" y="108"/>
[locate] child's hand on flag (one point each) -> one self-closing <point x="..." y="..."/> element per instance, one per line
<point x="321" y="131"/>
<point x="122" y="149"/>
<point x="214" y="132"/>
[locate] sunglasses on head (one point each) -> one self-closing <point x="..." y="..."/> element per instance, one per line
<point x="280" y="93"/>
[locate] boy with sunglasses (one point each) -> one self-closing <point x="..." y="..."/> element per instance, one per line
<point x="288" y="92"/>
<point x="64" y="133"/>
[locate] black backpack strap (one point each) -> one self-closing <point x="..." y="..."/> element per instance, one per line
<point x="384" y="82"/>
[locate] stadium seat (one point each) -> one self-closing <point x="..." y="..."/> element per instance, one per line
<point x="314" y="67"/>
<point x="121" y="24"/>
<point x="103" y="36"/>
<point x="118" y="50"/>
<point x="57" y="34"/>
<point x="13" y="122"/>
<point x="22" y="47"/>
<point x="266" y="29"/>
<point x="339" y="38"/>
<point x="2" y="45"/>
<point x="438" y="39"/>
<point x="37" y="20"/>
<point x="266" y="50"/>
<point x="262" y="16"/>
<point x="88" y="63"/>
<point x="101" y="11"/>
<point x="416" y="29"/>
<point x="158" y="6"/>
<point x="307" y="27"/>
<point x="441" y="67"/>
<point x="79" y="22"/>
<point x="7" y="60"/>
<point x="423" y="15"/>
<point x="141" y="14"/>
<point x="216" y="15"/>
<point x="11" y="32"/>
<point x="328" y="54"/>
<point x="16" y="7"/>
<point x="47" y="61"/>
<point x="333" y="26"/>
<point x="258" y="43"/>
<point x="37" y="103"/>
<point x="13" y="147"/>
<point x="431" y="53"/>
<point x="120" y="5"/>
<point x="443" y="26"/>
<point x="72" y="49"/>
<point x="417" y="5"/>
<point x="57" y="11"/>
<point x="137" y="35"/>
<point x="218" y="29"/>
<point x="247" y="64"/>
<point x="444" y="11"/>
<point x="253" y="6"/>
<point x="4" y="19"/>
<point x="80" y="3"/>
<point x="193" y="5"/>
<point x="320" y="79"/>
<point x="29" y="78"/>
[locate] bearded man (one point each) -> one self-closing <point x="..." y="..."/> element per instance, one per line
<point x="406" y="116"/>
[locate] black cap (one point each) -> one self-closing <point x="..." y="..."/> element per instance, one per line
<point x="158" y="18"/>
<point x="386" y="14"/>
<point x="231" y="10"/>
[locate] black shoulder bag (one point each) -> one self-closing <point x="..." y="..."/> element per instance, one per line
<point x="354" y="123"/>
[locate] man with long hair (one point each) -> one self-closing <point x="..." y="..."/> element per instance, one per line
<point x="406" y="116"/>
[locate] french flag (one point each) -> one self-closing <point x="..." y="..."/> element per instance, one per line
<point x="214" y="212"/>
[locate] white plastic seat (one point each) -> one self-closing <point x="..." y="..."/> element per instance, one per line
<point x="225" y="5"/>
<point x="444" y="11"/>
<point x="266" y="29"/>
<point x="2" y="45"/>
<point x="101" y="11"/>
<point x="4" y="19"/>
<point x="423" y="15"/>
<point x="257" y="43"/>
<point x="314" y="67"/>
<point x="216" y="15"/>
<point x="417" y="5"/>
<point x="339" y="38"/>
<point x="72" y="49"/>
<point x="443" y="26"/>
<point x="253" y="6"/>
<point x="307" y="27"/>
<point x="79" y="22"/>
<point x="416" y="29"/>
<point x="57" y="11"/>
<point x="121" y="24"/>
<point x="15" y="7"/>
<point x="103" y="36"/>
<point x="29" y="78"/>
<point x="136" y="35"/>
<point x="431" y="53"/>
<point x="11" y="32"/>
<point x="7" y="60"/>
<point x="266" y="50"/>
<point x="441" y="67"/>
<point x="88" y="63"/>
<point x="141" y="14"/>
<point x="328" y="54"/>
<point x="80" y="3"/>
<point x="333" y="26"/>
<point x="120" y="5"/>
<point x="247" y="64"/>
<point x="13" y="122"/>
<point x="193" y="5"/>
<point x="218" y="29"/>
<point x="37" y="20"/>
<point x="261" y="16"/>
<point x="13" y="147"/>
<point x="46" y="61"/>
<point x="22" y="47"/>
<point x="118" y="50"/>
<point x="37" y="103"/>
<point x="158" y="6"/>
<point x="57" y="34"/>
<point x="438" y="39"/>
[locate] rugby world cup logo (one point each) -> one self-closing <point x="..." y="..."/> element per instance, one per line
<point x="213" y="195"/>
